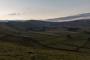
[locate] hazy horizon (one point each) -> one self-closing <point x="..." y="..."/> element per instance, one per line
<point x="41" y="9"/>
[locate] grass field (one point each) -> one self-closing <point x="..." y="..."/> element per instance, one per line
<point x="44" y="46"/>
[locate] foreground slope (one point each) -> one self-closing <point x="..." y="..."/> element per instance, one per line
<point x="44" y="46"/>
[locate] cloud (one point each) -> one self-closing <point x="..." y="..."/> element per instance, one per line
<point x="14" y="14"/>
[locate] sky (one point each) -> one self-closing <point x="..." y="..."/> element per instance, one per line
<point x="41" y="9"/>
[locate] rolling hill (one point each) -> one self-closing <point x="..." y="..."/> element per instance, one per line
<point x="46" y="40"/>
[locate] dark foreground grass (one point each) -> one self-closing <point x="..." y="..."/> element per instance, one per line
<point x="10" y="51"/>
<point x="48" y="47"/>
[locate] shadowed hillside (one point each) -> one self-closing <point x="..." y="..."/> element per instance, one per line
<point x="37" y="40"/>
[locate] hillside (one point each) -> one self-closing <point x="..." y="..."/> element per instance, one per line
<point x="36" y="25"/>
<point x="44" y="45"/>
<point x="45" y="40"/>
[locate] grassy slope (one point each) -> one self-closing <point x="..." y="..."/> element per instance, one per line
<point x="13" y="51"/>
<point x="9" y="51"/>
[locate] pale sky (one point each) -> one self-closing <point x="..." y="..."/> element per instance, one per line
<point x="42" y="9"/>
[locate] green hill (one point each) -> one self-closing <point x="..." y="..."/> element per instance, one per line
<point x="44" y="45"/>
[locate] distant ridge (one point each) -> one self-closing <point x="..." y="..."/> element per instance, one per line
<point x="71" y="18"/>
